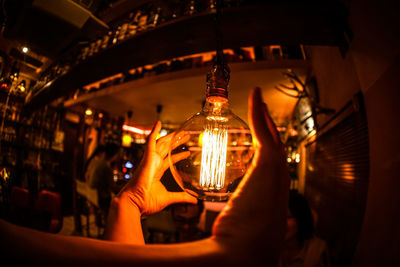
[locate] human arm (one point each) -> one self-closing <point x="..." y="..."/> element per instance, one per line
<point x="23" y="246"/>
<point x="249" y="230"/>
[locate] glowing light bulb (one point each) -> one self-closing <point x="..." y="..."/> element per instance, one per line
<point x="219" y="142"/>
<point x="88" y="112"/>
<point x="25" y="49"/>
<point x="213" y="158"/>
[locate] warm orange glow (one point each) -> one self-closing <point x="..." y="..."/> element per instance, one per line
<point x="213" y="158"/>
<point x="204" y="57"/>
<point x="135" y="130"/>
<point x="126" y="140"/>
<point x="88" y="112"/>
<point x="293" y="132"/>
<point x="97" y="83"/>
<point x="297" y="157"/>
<point x="347" y="171"/>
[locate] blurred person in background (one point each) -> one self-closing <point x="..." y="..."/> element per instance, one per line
<point x="100" y="174"/>
<point x="301" y="246"/>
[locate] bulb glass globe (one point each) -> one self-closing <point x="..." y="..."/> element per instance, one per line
<point x="220" y="146"/>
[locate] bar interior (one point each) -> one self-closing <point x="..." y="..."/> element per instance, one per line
<point x="82" y="84"/>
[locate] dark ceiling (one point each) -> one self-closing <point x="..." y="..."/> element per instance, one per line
<point x="54" y="29"/>
<point x="49" y="27"/>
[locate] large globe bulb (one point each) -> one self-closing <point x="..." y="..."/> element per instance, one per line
<point x="220" y="146"/>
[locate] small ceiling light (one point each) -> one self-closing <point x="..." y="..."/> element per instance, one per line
<point x="126" y="140"/>
<point x="25" y="49"/>
<point x="21" y="86"/>
<point x="135" y="130"/>
<point x="88" y="112"/>
<point x="100" y="115"/>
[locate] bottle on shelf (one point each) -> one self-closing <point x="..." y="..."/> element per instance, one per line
<point x="115" y="35"/>
<point x="154" y="18"/>
<point x="142" y="23"/>
<point x="134" y="23"/>
<point x="97" y="47"/>
<point x="190" y="8"/>
<point x="106" y="40"/>
<point x="211" y="5"/>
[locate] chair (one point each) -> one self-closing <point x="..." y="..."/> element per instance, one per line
<point x="19" y="197"/>
<point x="49" y="202"/>
<point x="20" y="206"/>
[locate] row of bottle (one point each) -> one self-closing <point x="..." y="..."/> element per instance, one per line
<point x="38" y="140"/>
<point x="9" y="134"/>
<point x="143" y="18"/>
<point x="195" y="61"/>
<point x="36" y="128"/>
<point x="275" y="52"/>
<point x="112" y="131"/>
<point x="149" y="16"/>
<point x="136" y="22"/>
<point x="31" y="139"/>
<point x="41" y="121"/>
<point x="8" y="156"/>
<point x="11" y="112"/>
<point x="146" y="17"/>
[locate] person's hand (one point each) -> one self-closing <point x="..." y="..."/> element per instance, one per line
<point x="144" y="194"/>
<point x="145" y="189"/>
<point x="254" y="220"/>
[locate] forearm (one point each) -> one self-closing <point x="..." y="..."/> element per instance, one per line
<point x="22" y="245"/>
<point x="123" y="222"/>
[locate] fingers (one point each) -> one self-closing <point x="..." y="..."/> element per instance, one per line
<point x="258" y="124"/>
<point x="180" y="197"/>
<point x="163" y="144"/>
<point x="151" y="139"/>
<point x="175" y="158"/>
<point x="181" y="139"/>
<point x="168" y="138"/>
<point x="165" y="139"/>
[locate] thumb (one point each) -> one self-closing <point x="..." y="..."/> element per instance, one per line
<point x="257" y="122"/>
<point x="181" y="197"/>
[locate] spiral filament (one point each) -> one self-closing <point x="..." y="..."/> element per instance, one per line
<point x="213" y="158"/>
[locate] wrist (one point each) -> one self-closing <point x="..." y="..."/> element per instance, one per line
<point x="125" y="201"/>
<point x="123" y="222"/>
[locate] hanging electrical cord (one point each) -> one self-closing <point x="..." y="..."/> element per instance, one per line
<point x="218" y="33"/>
<point x="219" y="75"/>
